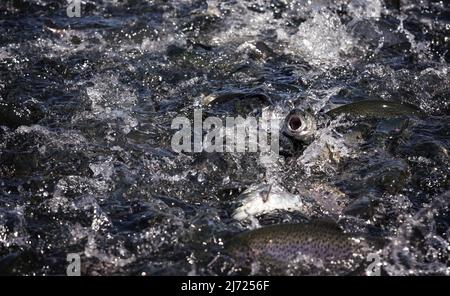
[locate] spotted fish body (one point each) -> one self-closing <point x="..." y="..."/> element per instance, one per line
<point x="281" y="245"/>
<point x="377" y="109"/>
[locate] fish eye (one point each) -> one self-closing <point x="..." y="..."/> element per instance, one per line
<point x="295" y="123"/>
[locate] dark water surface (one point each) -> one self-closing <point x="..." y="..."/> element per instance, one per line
<point x="86" y="106"/>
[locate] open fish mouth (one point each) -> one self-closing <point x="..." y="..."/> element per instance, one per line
<point x="300" y="125"/>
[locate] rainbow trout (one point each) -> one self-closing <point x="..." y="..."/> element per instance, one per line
<point x="377" y="109"/>
<point x="321" y="244"/>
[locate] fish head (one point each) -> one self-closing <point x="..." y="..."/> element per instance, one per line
<point x="300" y="125"/>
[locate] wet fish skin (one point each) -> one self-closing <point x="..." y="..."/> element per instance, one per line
<point x="377" y="109"/>
<point x="265" y="198"/>
<point x="225" y="96"/>
<point x="282" y="244"/>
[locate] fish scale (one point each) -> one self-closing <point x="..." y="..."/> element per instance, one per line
<point x="280" y="245"/>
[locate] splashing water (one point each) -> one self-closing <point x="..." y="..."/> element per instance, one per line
<point x="86" y="106"/>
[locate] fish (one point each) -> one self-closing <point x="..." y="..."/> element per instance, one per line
<point x="264" y="198"/>
<point x="297" y="131"/>
<point x="300" y="125"/>
<point x="377" y="109"/>
<point x="319" y="242"/>
<point x="240" y="102"/>
<point x="226" y="96"/>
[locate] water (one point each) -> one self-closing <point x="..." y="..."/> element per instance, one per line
<point x="86" y="106"/>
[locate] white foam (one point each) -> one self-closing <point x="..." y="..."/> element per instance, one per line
<point x="321" y="40"/>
